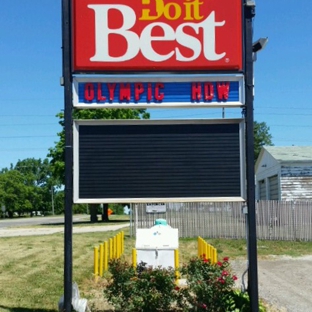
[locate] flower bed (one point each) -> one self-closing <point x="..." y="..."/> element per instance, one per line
<point x="209" y="287"/>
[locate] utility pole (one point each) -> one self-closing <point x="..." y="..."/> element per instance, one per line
<point x="52" y="199"/>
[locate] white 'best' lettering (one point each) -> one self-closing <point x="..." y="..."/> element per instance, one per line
<point x="102" y="31"/>
<point x="144" y="41"/>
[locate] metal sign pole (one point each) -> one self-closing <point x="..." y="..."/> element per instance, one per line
<point x="67" y="82"/>
<point x="252" y="236"/>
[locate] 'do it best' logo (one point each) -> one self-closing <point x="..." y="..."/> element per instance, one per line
<point x="143" y="41"/>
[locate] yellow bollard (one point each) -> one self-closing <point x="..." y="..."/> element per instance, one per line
<point x="119" y="245"/>
<point x="115" y="247"/>
<point x="110" y="249"/>
<point x="198" y="246"/>
<point x="206" y="250"/>
<point x="122" y="242"/>
<point x="96" y="261"/>
<point x="101" y="259"/>
<point x="203" y="247"/>
<point x="134" y="258"/>
<point x="176" y="264"/>
<point x="202" y="243"/>
<point x="105" y="256"/>
<point x="216" y="255"/>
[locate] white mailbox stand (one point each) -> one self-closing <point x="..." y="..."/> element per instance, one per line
<point x="155" y="246"/>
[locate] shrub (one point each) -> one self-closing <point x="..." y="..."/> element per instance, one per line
<point x="242" y="302"/>
<point x="210" y="287"/>
<point x="145" y="289"/>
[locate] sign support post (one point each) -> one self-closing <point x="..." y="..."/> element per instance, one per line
<point x="67" y="83"/>
<point x="252" y="235"/>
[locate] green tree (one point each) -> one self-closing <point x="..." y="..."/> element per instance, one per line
<point x="38" y="177"/>
<point x="118" y="209"/>
<point x="57" y="153"/>
<point x="14" y="193"/>
<point x="28" y="186"/>
<point x="262" y="137"/>
<point x="37" y="172"/>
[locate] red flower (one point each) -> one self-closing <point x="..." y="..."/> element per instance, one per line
<point x="206" y="260"/>
<point x="225" y="273"/>
<point x="221" y="280"/>
<point x="234" y="277"/>
<point x="226" y="259"/>
<point x="204" y="306"/>
<point x="177" y="288"/>
<point x="219" y="263"/>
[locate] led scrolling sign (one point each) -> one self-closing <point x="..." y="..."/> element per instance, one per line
<point x="155" y="91"/>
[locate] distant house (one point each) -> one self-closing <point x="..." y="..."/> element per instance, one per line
<point x="284" y="173"/>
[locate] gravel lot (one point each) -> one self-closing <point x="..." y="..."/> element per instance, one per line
<point x="284" y="282"/>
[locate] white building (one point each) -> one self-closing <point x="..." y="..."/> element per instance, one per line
<point x="284" y="173"/>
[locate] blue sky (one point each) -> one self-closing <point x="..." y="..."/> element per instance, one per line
<point x="31" y="66"/>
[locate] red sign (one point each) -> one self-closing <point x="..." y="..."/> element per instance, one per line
<point x="157" y="35"/>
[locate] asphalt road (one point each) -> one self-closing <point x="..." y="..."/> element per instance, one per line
<point x="25" y="226"/>
<point x="18" y="222"/>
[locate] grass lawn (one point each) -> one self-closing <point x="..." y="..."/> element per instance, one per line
<point x="31" y="267"/>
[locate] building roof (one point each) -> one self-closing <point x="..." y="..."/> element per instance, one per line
<point x="290" y="153"/>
